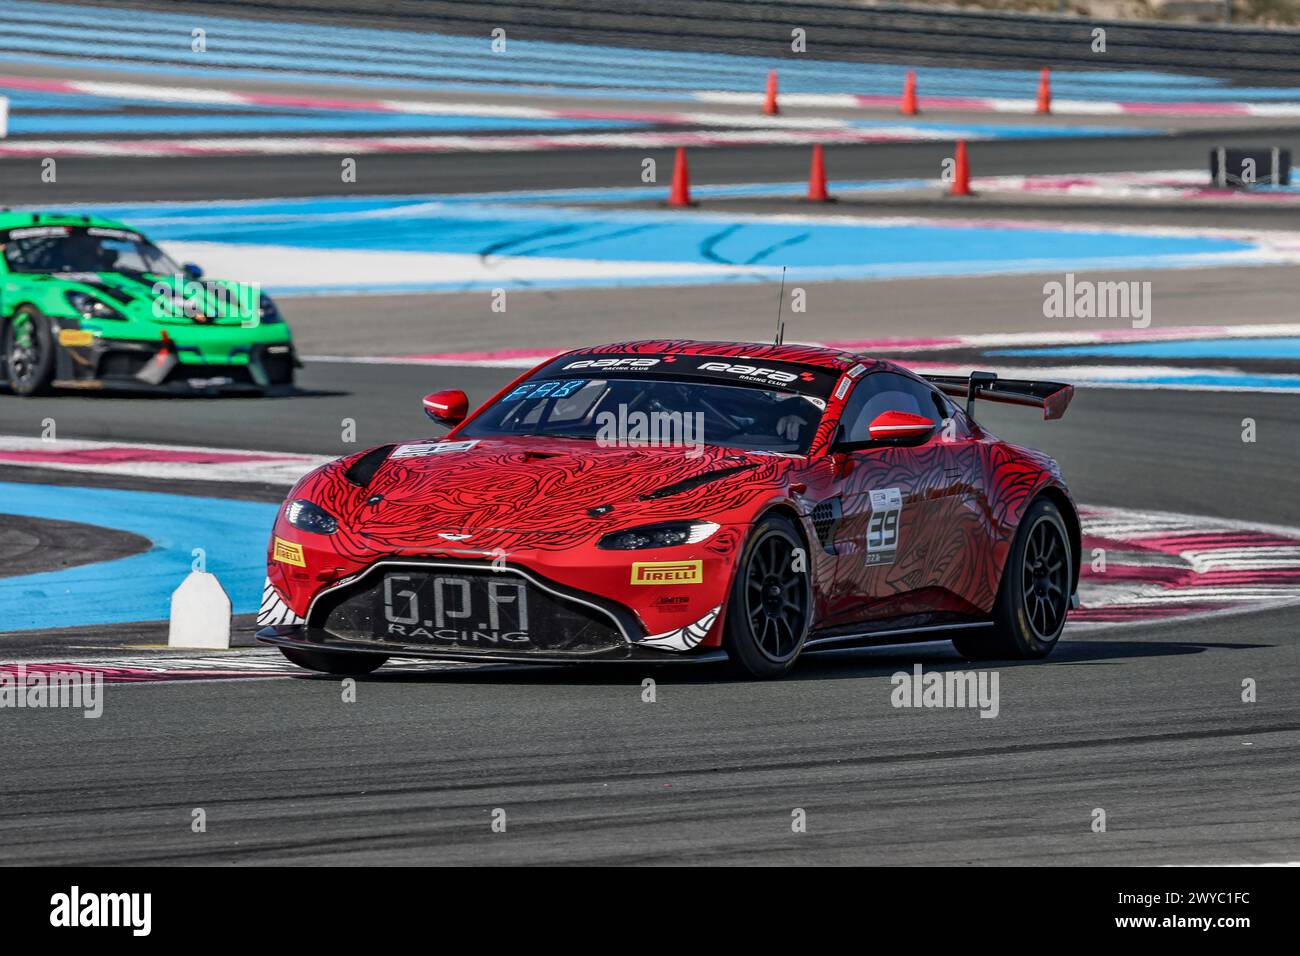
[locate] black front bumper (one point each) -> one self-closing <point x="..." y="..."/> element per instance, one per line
<point x="468" y="611"/>
<point x="311" y="639"/>
<point x="127" y="365"/>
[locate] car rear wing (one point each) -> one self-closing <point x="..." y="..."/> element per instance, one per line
<point x="1052" y="397"/>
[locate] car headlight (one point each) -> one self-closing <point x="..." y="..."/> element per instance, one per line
<point x="88" y="307"/>
<point x="267" y="310"/>
<point x="665" y="535"/>
<point x="306" y="516"/>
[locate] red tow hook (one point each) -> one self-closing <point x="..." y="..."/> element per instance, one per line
<point x="167" y="343"/>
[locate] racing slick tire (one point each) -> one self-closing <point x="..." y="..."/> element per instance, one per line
<point x="333" y="662"/>
<point x="1034" y="596"/>
<point x="28" y="352"/>
<point x="770" y="604"/>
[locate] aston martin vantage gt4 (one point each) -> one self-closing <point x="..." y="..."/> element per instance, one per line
<point x="661" y="500"/>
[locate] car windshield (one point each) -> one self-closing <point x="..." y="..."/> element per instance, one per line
<point x="63" y="249"/>
<point x="645" y="411"/>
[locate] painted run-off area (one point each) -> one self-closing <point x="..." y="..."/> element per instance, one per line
<point x="336" y="245"/>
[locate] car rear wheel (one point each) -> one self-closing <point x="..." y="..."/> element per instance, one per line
<point x="29" y="352"/>
<point x="1034" y="596"/>
<point x="332" y="662"/>
<point x="767" y="617"/>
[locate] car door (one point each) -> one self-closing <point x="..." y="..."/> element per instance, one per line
<point x="888" y="546"/>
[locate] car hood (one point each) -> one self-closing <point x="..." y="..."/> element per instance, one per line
<point x="535" y="490"/>
<point x="210" y="302"/>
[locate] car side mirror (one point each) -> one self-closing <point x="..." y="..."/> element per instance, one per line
<point x="192" y="270"/>
<point x="893" y="426"/>
<point x="448" y="407"/>
<point x="886" y="428"/>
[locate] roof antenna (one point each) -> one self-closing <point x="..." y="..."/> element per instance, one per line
<point x="780" y="301"/>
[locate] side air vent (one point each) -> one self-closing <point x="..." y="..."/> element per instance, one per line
<point x="826" y="521"/>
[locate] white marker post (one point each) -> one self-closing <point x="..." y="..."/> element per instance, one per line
<point x="4" y="116"/>
<point x="200" y="614"/>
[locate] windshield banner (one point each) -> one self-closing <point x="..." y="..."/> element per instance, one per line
<point x="722" y="370"/>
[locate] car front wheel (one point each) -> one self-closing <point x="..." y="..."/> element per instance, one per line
<point x="771" y="598"/>
<point x="29" y="352"/>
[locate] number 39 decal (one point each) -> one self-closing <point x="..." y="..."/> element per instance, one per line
<point x="882" y="527"/>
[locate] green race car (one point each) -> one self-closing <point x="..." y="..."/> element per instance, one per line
<point x="87" y="302"/>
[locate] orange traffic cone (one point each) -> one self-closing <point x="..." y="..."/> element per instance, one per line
<point x="961" y="177"/>
<point x="817" y="176"/>
<point x="908" y="106"/>
<point x="769" y="101"/>
<point x="680" y="193"/>
<point x="1045" y="91"/>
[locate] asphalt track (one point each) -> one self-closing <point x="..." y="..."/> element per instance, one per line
<point x="1144" y="721"/>
<point x="100" y="180"/>
<point x="1147" y="725"/>
<point x="853" y="32"/>
<point x="837" y="311"/>
<point x="33" y="545"/>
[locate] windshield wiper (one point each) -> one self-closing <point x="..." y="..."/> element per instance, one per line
<point x="569" y="436"/>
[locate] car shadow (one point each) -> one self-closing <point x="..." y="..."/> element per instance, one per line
<point x="815" y="665"/>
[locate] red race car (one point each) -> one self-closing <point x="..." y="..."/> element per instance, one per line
<point x="649" y="501"/>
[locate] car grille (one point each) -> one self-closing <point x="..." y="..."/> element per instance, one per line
<point x="238" y="374"/>
<point x="461" y="608"/>
<point x="126" y="364"/>
<point x="123" y="364"/>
